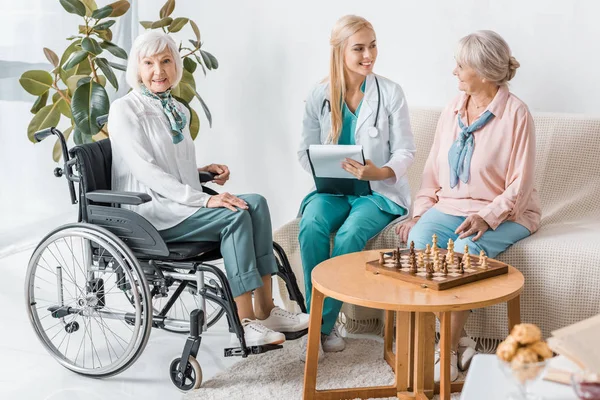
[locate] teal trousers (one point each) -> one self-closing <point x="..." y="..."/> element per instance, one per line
<point x="246" y="240"/>
<point x="356" y="220"/>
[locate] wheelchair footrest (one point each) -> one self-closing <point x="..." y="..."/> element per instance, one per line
<point x="238" y="351"/>
<point x="295" y="335"/>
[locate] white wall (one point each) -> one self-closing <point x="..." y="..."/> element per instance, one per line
<point x="271" y="52"/>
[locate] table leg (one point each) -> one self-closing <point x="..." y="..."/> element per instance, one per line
<point x="388" y="337"/>
<point x="312" y="352"/>
<point x="445" y="338"/>
<point x="424" y="341"/>
<point x="402" y="350"/>
<point x="514" y="312"/>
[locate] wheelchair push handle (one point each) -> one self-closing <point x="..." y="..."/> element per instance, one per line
<point x="43" y="134"/>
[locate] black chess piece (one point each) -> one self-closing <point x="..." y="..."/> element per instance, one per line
<point x="429" y="270"/>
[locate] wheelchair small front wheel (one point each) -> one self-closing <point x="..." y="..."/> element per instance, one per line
<point x="190" y="379"/>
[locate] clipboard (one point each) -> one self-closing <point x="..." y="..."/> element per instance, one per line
<point x="328" y="174"/>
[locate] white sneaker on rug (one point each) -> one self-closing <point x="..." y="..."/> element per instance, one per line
<point x="334" y="342"/>
<point x="257" y="334"/>
<point x="304" y="346"/>
<point x="453" y="366"/>
<point x="281" y="320"/>
<point x="466" y="351"/>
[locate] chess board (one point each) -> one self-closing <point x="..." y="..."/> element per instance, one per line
<point x="439" y="280"/>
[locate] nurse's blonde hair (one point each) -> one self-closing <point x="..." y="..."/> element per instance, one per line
<point x="345" y="27"/>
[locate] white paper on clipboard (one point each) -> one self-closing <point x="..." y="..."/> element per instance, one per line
<point x="327" y="159"/>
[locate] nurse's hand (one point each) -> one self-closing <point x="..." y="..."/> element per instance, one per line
<point x="404" y="228"/>
<point x="221" y="170"/>
<point x="226" y="200"/>
<point x="473" y="225"/>
<point x="367" y="172"/>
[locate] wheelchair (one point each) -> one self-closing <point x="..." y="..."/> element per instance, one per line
<point x="95" y="288"/>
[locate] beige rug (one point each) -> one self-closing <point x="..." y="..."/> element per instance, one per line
<point x="279" y="374"/>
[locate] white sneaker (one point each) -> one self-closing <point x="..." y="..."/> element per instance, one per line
<point x="281" y="320"/>
<point x="453" y="366"/>
<point x="304" y="346"/>
<point x="466" y="351"/>
<point x="334" y="342"/>
<point x="257" y="334"/>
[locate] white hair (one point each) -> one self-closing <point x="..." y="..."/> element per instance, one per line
<point x="148" y="44"/>
<point x="489" y="55"/>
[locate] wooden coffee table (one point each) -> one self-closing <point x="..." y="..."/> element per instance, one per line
<point x="345" y="278"/>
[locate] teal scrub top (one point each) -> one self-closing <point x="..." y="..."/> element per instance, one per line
<point x="349" y="120"/>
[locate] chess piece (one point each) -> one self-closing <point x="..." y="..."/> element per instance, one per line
<point x="412" y="246"/>
<point x="421" y="261"/>
<point x="444" y="266"/>
<point x="413" y="263"/>
<point x="483" y="263"/>
<point x="427" y="252"/>
<point x="381" y="258"/>
<point x="481" y="255"/>
<point x="450" y="251"/>
<point x="467" y="257"/>
<point x="436" y="261"/>
<point x="434" y="245"/>
<point x="429" y="270"/>
<point x="461" y="267"/>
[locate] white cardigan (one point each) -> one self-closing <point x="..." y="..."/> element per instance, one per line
<point x="145" y="159"/>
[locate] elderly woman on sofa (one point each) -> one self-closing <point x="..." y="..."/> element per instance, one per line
<point x="477" y="187"/>
<point x="153" y="153"/>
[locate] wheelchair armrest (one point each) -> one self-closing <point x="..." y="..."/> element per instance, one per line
<point x="206" y="176"/>
<point x="110" y="196"/>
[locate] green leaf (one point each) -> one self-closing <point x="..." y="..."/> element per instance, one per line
<point x="196" y="30"/>
<point x="167" y="9"/>
<point x="105" y="35"/>
<point x="90" y="6"/>
<point x="51" y="56"/>
<point x="63" y="106"/>
<point x="189" y="65"/>
<point x="178" y="24"/>
<point x="57" y="150"/>
<point x="161" y="23"/>
<point x="209" y="60"/>
<point x="81" y="138"/>
<point x="36" y="82"/>
<point x="194" y="124"/>
<point x="119" y="8"/>
<point x="40" y="102"/>
<point x="75" y="59"/>
<point x="45" y="118"/>
<point x="73" y="82"/>
<point x="188" y="87"/>
<point x="90" y="101"/>
<point x="102" y="12"/>
<point x="85" y="30"/>
<point x="74" y="37"/>
<point x="118" y="66"/>
<point x="104" y="25"/>
<point x="73" y="7"/>
<point x="108" y="72"/>
<point x="199" y="60"/>
<point x="146" y="24"/>
<point x="114" y="49"/>
<point x="195" y="43"/>
<point x="102" y="80"/>
<point x="91" y="46"/>
<point x="202" y="103"/>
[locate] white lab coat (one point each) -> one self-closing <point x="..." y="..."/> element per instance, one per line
<point x="393" y="146"/>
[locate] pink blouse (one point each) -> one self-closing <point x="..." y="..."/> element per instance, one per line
<point x="500" y="187"/>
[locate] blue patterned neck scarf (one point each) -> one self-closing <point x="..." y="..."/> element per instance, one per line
<point x="459" y="156"/>
<point x="176" y="118"/>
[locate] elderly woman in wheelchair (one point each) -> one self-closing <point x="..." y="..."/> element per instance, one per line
<point x="139" y="257"/>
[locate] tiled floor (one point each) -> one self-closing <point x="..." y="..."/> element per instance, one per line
<point x="28" y="372"/>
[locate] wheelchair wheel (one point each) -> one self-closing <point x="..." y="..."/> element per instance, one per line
<point x="190" y="379"/>
<point x="88" y="300"/>
<point x="178" y="316"/>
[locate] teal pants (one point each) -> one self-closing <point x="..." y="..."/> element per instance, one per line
<point x="493" y="242"/>
<point x="356" y="220"/>
<point x="246" y="240"/>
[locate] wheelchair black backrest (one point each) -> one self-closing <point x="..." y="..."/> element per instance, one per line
<point x="94" y="164"/>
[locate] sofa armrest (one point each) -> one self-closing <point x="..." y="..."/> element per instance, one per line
<point x="110" y="196"/>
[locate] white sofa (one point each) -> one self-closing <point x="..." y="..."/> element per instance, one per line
<point x="560" y="262"/>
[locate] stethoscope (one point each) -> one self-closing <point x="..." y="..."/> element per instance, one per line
<point x="372" y="131"/>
